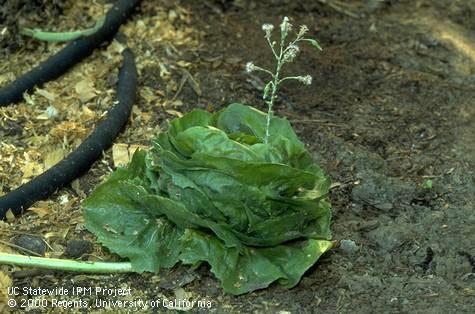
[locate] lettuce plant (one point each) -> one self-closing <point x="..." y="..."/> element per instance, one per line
<point x="216" y="188"/>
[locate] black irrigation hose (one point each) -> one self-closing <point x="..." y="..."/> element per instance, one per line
<point x="81" y="159"/>
<point x="74" y="52"/>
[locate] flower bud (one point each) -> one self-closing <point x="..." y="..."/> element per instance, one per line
<point x="285" y="26"/>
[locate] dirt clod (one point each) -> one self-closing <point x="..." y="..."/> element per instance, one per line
<point x="29" y="244"/>
<point x="77" y="248"/>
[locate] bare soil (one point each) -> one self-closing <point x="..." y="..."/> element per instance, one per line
<point x="391" y="106"/>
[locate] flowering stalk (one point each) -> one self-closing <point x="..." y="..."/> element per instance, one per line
<point x="285" y="54"/>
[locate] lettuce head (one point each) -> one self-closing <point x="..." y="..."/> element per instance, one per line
<point x="210" y="190"/>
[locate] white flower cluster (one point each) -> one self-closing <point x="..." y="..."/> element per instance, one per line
<point x="306" y="79"/>
<point x="291" y="53"/>
<point x="268" y="28"/>
<point x="250" y="67"/>
<point x="302" y="31"/>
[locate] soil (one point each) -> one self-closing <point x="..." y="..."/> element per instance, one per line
<point x="391" y="109"/>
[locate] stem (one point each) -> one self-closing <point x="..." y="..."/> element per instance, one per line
<point x="289" y="78"/>
<point x="65" y="265"/>
<point x="275" y="85"/>
<point x="270" y="103"/>
<point x="272" y="47"/>
<point x="264" y="70"/>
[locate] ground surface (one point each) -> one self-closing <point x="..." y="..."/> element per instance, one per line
<point x="392" y="105"/>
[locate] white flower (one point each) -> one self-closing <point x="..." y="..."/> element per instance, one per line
<point x="285" y="26"/>
<point x="291" y="53"/>
<point x="268" y="28"/>
<point x="250" y="67"/>
<point x="307" y="79"/>
<point x="294" y="48"/>
<point x="303" y="30"/>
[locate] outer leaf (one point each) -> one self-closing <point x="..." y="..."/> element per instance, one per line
<point x="253" y="268"/>
<point x="124" y="227"/>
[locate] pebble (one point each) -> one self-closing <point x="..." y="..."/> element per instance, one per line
<point x="348" y="246"/>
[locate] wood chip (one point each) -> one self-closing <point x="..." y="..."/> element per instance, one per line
<point x="48" y="95"/>
<point x="85" y="90"/>
<point x="122" y="153"/>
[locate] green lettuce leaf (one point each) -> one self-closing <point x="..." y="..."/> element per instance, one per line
<point x="210" y="190"/>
